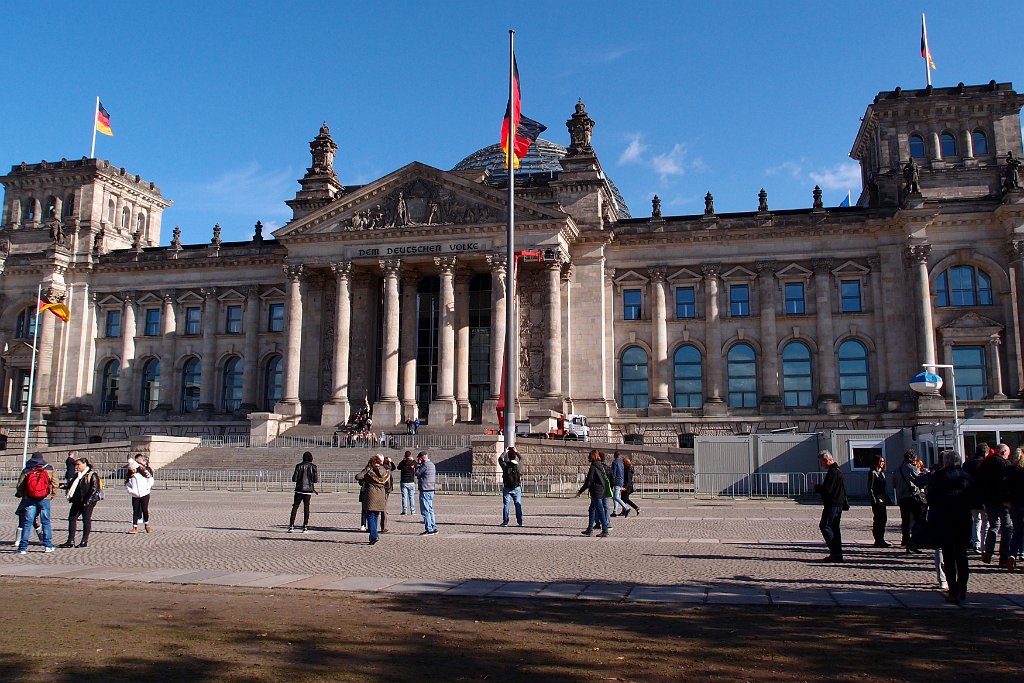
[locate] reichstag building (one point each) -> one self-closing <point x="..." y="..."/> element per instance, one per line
<point x="656" y="328"/>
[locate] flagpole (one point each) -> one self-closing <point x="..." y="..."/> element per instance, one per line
<point x="31" y="376"/>
<point x="927" y="50"/>
<point x="92" y="150"/>
<point x="511" y="355"/>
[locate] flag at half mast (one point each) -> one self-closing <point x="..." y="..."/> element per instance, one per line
<point x="524" y="129"/>
<point x="103" y="120"/>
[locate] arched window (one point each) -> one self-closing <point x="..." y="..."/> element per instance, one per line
<point x="916" y="146"/>
<point x="742" y="364"/>
<point x="108" y="387"/>
<point x="688" y="389"/>
<point x="853" y="373"/>
<point x="797" y="385"/>
<point x="963" y="286"/>
<point x="69" y="206"/>
<point x="140" y="223"/>
<point x="110" y="211"/>
<point x="947" y="143"/>
<point x="149" y="396"/>
<point x="51" y="207"/>
<point x="25" y="326"/>
<point x="634" y="378"/>
<point x="190" y="378"/>
<point x="126" y="217"/>
<point x="979" y="141"/>
<point x="273" y="383"/>
<point x="29" y="212"/>
<point x="231" y="396"/>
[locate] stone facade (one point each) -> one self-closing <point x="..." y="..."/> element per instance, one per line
<point x="391" y="294"/>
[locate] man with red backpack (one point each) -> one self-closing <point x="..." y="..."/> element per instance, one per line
<point x="37" y="486"/>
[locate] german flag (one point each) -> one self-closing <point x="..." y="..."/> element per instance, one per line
<point x="926" y="54"/>
<point x="58" y="309"/>
<point x="524" y="130"/>
<point x="103" y="120"/>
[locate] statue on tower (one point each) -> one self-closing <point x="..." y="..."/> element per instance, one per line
<point x="581" y="127"/>
<point x="912" y="177"/>
<point x="1012" y="172"/>
<point x="323" y="148"/>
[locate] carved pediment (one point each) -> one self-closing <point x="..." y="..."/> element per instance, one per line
<point x="17" y="354"/>
<point x="972" y="322"/>
<point x="416" y="196"/>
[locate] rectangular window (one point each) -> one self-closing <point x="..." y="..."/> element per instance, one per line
<point x="686" y="302"/>
<point x="113" y="324"/>
<point x="193" y="318"/>
<point x="849" y="296"/>
<point x="631" y="299"/>
<point x="275" y="318"/>
<point x="971" y="378"/>
<point x="862" y="453"/>
<point x="151" y="327"/>
<point x="233" y="315"/>
<point x="795" y="298"/>
<point x="739" y="300"/>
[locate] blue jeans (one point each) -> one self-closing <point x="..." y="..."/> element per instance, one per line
<point x="373" y="521"/>
<point x="999" y="525"/>
<point x="831" y="516"/>
<point x="33" y="508"/>
<point x="617" y="499"/>
<point x="598" y="513"/>
<point x="1017" y="536"/>
<point x="408" y="498"/>
<point x="427" y="510"/>
<point x="510" y="495"/>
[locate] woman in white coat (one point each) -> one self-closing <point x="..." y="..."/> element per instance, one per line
<point x="139" y="483"/>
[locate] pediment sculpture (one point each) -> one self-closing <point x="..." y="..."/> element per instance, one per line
<point x="419" y="203"/>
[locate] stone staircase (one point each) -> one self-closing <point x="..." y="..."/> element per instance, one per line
<point x="285" y="459"/>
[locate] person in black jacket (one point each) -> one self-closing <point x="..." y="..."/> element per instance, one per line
<point x="305" y="478"/>
<point x="949" y="512"/>
<point x="629" y="477"/>
<point x="991" y="477"/>
<point x="833" y="498"/>
<point x="595" y="484"/>
<point x="83" y="493"/>
<point x="879" y="501"/>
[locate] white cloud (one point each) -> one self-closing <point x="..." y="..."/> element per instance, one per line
<point x="670" y="163"/>
<point x="633" y="154"/>
<point x="842" y="176"/>
<point x="791" y="168"/>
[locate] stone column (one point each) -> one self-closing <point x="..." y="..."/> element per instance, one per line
<point x="126" y="380"/>
<point x="771" y="398"/>
<point x="465" y="411"/>
<point x="713" y="403"/>
<point x="7" y="377"/>
<point x="1014" y="356"/>
<point x="567" y="336"/>
<point x="208" y="363"/>
<point x="885" y="379"/>
<point x="168" y="343"/>
<point x="337" y="409"/>
<point x="290" y="404"/>
<point x="828" y="398"/>
<point x="43" y="390"/>
<point x="918" y="256"/>
<point x="386" y="410"/>
<point x="659" y="371"/>
<point x="250" y="363"/>
<point x="995" y="381"/>
<point x="553" y="344"/>
<point x="407" y="346"/>
<point x="497" y="262"/>
<point x="968" y="145"/>
<point x="443" y="408"/>
<point x="936" y="145"/>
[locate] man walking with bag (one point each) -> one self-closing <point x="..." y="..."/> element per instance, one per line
<point x="511" y="484"/>
<point x="37" y="486"/>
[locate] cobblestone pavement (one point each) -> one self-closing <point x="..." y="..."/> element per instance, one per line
<point x="677" y="550"/>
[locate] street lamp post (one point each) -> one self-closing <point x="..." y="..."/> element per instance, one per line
<point x="922" y="386"/>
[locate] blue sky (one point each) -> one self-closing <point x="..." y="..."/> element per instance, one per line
<point x="216" y="101"/>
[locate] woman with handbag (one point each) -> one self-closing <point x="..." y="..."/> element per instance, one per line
<point x="599" y="487"/>
<point x="879" y="501"/>
<point x="376" y="478"/>
<point x="909" y="497"/>
<point x="83" y="492"/>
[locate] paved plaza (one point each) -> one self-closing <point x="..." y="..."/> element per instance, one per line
<point x="678" y="551"/>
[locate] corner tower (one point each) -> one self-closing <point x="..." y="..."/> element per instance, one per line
<point x="957" y="137"/>
<point x="320" y="185"/>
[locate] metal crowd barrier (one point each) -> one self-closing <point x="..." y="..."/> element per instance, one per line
<point x="395" y="441"/>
